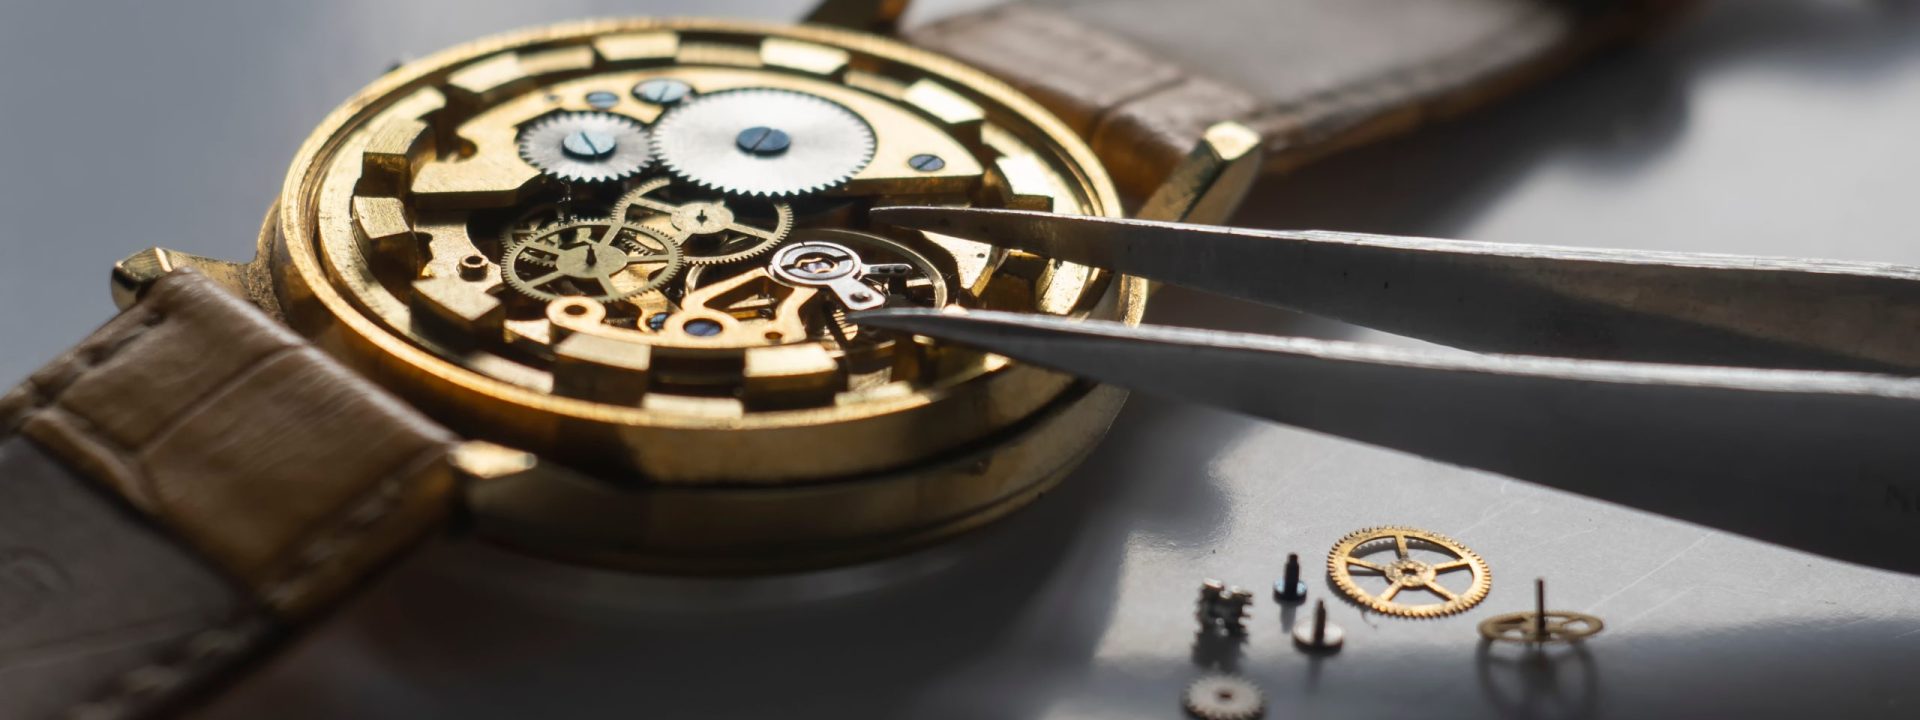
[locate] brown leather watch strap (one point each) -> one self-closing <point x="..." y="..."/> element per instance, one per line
<point x="1141" y="79"/>
<point x="185" y="481"/>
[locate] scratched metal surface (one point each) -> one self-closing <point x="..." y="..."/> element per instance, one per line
<point x="1764" y="126"/>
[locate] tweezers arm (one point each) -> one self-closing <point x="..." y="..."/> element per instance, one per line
<point x="1820" y="461"/>
<point x="1607" y="304"/>
<point x="1496" y="297"/>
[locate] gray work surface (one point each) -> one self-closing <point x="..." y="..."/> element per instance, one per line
<point x="1762" y="126"/>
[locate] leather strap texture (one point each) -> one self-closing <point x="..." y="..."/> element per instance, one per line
<point x="1142" y="79"/>
<point x="189" y="479"/>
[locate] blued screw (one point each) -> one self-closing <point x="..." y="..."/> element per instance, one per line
<point x="763" y="141"/>
<point x="602" y="100"/>
<point x="662" y="92"/>
<point x="927" y="163"/>
<point x="588" y="144"/>
<point x="1291" y="589"/>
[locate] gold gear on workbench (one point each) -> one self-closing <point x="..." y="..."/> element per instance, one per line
<point x="1412" y="562"/>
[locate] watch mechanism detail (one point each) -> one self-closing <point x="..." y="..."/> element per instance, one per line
<point x="710" y="229"/>
<point x="587" y="147"/>
<point x="632" y="248"/>
<point x="604" y="260"/>
<point x="1404" y="562"/>
<point x="763" y="142"/>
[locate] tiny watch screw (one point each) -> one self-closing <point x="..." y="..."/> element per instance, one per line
<point x="927" y="163"/>
<point x="1291" y="589"/>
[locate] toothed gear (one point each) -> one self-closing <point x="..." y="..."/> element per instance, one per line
<point x="1405" y="573"/>
<point x="819" y="143"/>
<point x="586" y="147"/>
<point x="603" y="260"/>
<point x="527" y="225"/>
<point x="708" y="229"/>
<point x="1224" y="697"/>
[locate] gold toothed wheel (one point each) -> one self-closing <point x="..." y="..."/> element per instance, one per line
<point x="1537" y="629"/>
<point x="1409" y="561"/>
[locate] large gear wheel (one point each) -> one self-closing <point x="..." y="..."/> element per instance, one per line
<point x="1406" y="572"/>
<point x="586" y="147"/>
<point x="708" y="229"/>
<point x="602" y="259"/>
<point x="1223" y="697"/>
<point x="763" y="142"/>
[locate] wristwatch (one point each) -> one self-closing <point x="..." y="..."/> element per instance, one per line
<point x="583" y="290"/>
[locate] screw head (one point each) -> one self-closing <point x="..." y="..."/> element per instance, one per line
<point x="763" y="141"/>
<point x="589" y="144"/>
<point x="602" y="100"/>
<point x="662" y="91"/>
<point x="926" y="162"/>
<point x="703" y="328"/>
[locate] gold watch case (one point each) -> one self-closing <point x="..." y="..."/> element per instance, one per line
<point x="473" y="231"/>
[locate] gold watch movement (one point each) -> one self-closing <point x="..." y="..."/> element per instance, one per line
<point x="627" y="250"/>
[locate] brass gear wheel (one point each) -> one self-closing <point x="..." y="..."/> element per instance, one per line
<point x="528" y="224"/>
<point x="599" y="259"/>
<point x="709" y="229"/>
<point x="1530" y="627"/>
<point x="1406" y="573"/>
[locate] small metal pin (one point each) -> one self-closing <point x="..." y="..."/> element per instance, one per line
<point x="1291" y="589"/>
<point x="763" y="141"/>
<point x="1315" y="634"/>
<point x="1540" y="607"/>
<point x="662" y="91"/>
<point x="925" y="162"/>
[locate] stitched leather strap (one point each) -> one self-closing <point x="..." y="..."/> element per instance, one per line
<point x="1141" y="79"/>
<point x="186" y="480"/>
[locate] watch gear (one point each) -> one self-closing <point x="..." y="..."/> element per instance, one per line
<point x="529" y="224"/>
<point x="602" y="260"/>
<point x="1223" y="608"/>
<point x="1534" y="628"/>
<point x="586" y="147"/>
<point x="1224" y="697"/>
<point x="709" y="229"/>
<point x="1406" y="572"/>
<point x="763" y="142"/>
<point x="1541" y="625"/>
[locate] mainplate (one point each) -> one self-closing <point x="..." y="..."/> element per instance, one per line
<point x="479" y="229"/>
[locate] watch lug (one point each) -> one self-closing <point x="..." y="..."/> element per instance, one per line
<point x="135" y="273"/>
<point x="1208" y="185"/>
<point x="880" y="17"/>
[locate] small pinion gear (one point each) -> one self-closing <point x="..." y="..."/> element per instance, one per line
<point x="586" y="147"/>
<point x="603" y="260"/>
<point x="1223" y="697"/>
<point x="1405" y="573"/>
<point x="763" y="142"/>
